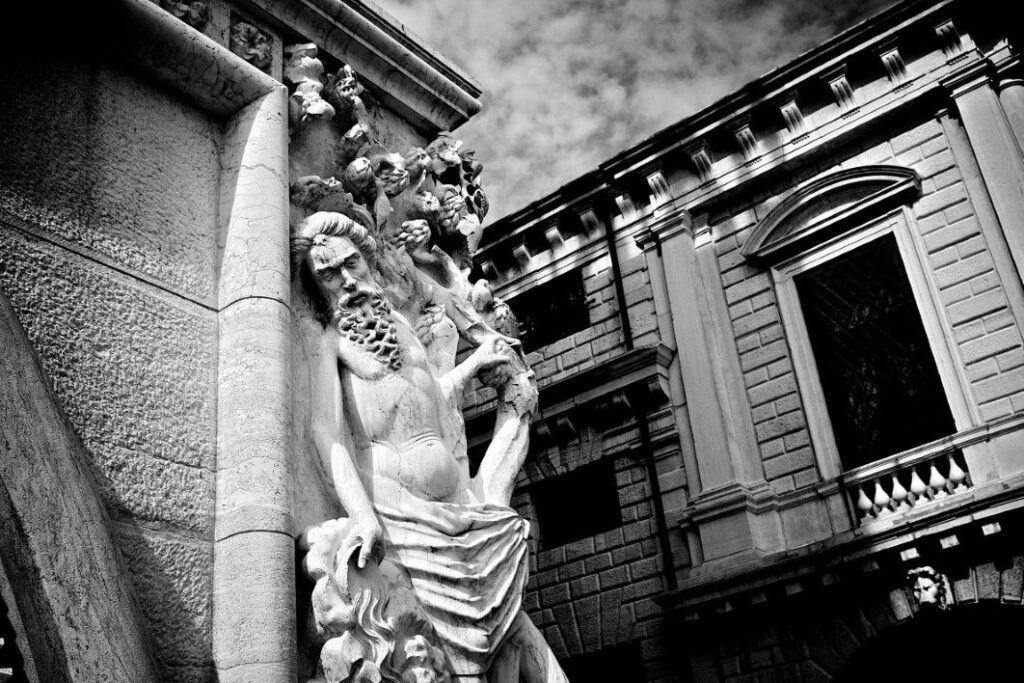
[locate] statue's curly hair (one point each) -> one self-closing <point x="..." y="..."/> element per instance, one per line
<point x="304" y="240"/>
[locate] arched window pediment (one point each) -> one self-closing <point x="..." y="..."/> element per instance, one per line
<point x="825" y="205"/>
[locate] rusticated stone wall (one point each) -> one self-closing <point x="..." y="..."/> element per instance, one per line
<point x="108" y="253"/>
<point x="947" y="220"/>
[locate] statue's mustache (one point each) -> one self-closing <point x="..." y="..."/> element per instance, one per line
<point x="358" y="296"/>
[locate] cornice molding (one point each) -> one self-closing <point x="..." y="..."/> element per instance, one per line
<point x="418" y="82"/>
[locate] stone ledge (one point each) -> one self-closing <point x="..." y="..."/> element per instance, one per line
<point x="716" y="587"/>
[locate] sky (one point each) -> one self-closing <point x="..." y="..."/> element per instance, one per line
<point x="569" y="83"/>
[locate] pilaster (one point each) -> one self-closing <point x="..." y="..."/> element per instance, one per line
<point x="691" y="308"/>
<point x="991" y="137"/>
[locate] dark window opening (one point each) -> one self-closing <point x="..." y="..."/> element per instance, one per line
<point x="882" y="388"/>
<point x="552" y="311"/>
<point x="620" y="663"/>
<point x="577" y="504"/>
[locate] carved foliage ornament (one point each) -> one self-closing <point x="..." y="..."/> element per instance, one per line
<point x="251" y="44"/>
<point x="382" y="253"/>
<point x="304" y="71"/>
<point x="195" y="14"/>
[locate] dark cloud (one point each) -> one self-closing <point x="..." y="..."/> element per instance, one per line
<point x="569" y="83"/>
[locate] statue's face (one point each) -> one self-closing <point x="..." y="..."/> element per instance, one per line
<point x="342" y="272"/>
<point x="926" y="591"/>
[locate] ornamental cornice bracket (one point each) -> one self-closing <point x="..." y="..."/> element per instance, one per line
<point x="592" y="225"/>
<point x="838" y="83"/>
<point x="700" y="156"/>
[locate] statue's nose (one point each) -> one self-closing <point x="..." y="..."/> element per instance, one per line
<point x="347" y="281"/>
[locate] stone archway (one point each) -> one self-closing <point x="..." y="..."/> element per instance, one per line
<point x="968" y="642"/>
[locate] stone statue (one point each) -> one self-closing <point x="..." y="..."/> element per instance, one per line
<point x="928" y="587"/>
<point x="423" y="579"/>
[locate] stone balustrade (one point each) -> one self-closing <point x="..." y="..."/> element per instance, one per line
<point x="895" y="485"/>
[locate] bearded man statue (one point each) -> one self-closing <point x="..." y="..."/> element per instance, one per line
<point x="423" y="579"/>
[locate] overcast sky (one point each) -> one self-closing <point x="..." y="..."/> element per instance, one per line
<point x="568" y="83"/>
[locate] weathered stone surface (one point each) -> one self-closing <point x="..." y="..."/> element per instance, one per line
<point x="118" y="168"/>
<point x="134" y="368"/>
<point x="173" y="579"/>
<point x="79" y="613"/>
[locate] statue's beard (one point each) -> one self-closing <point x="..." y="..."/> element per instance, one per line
<point x="370" y="330"/>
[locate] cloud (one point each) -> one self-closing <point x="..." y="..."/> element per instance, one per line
<point x="568" y="83"/>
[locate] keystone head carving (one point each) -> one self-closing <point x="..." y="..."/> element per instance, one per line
<point x="928" y="587"/>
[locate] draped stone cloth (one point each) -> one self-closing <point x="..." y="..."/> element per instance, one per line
<point x="468" y="566"/>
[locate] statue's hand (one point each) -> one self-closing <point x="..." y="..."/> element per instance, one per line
<point x="365" y="533"/>
<point x="492" y="352"/>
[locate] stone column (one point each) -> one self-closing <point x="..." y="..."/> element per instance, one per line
<point x="730" y="484"/>
<point x="254" y="565"/>
<point x="1011" y="95"/>
<point x="996" y="148"/>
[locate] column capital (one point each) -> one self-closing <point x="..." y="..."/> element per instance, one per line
<point x="665" y="226"/>
<point x="970" y="77"/>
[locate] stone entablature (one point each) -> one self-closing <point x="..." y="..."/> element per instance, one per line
<point x="950" y="538"/>
<point x="418" y="83"/>
<point x="772" y="123"/>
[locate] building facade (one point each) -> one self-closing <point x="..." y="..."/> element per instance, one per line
<point x="780" y="352"/>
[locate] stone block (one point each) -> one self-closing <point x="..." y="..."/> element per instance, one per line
<point x="805" y="524"/>
<point x="747" y="289"/>
<point x="1012" y="581"/>
<point x="555" y="595"/>
<point x="566" y="620"/>
<point x="987" y="577"/>
<point x="764" y="355"/>
<point x="772" y="390"/>
<point x="964" y="270"/>
<point x="614" y="577"/>
<point x="780" y="426"/>
<point x="586" y="585"/>
<point x="990" y="345"/>
<point x="999" y="386"/>
<point x="636" y="531"/>
<point x="579" y="549"/>
<point x="976" y="307"/>
<point x="941" y="200"/>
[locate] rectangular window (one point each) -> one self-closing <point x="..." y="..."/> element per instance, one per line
<point x="881" y="385"/>
<point x="552" y="311"/>
<point x="576" y="505"/>
<point x="875" y="369"/>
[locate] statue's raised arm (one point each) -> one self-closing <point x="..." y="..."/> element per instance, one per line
<point x="424" y="578"/>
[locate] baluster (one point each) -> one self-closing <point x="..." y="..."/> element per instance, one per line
<point x="899" y="493"/>
<point x="936" y="483"/>
<point x="917" y="487"/>
<point x="863" y="502"/>
<point x="881" y="499"/>
<point x="957" y="476"/>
